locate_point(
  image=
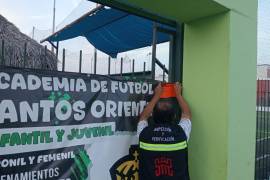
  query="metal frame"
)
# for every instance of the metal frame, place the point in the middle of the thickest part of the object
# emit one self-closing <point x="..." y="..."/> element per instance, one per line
<point x="175" y="56"/>
<point x="136" y="11"/>
<point x="176" y="42"/>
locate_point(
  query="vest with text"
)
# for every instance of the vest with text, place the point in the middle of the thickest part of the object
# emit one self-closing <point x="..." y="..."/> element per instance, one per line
<point x="163" y="153"/>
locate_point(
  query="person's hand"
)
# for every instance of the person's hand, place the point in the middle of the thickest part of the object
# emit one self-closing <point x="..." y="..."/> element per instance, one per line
<point x="178" y="88"/>
<point x="158" y="90"/>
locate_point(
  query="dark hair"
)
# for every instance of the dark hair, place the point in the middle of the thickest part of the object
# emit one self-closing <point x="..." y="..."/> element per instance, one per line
<point x="164" y="112"/>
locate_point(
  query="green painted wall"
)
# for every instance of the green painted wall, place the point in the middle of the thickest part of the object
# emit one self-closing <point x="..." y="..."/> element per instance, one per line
<point x="220" y="85"/>
<point x="242" y="95"/>
<point x="206" y="54"/>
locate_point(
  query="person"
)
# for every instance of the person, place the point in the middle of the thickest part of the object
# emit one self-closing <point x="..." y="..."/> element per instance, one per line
<point x="163" y="153"/>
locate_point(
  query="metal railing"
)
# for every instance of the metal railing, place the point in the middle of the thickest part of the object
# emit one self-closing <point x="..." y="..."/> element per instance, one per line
<point x="262" y="164"/>
<point x="62" y="60"/>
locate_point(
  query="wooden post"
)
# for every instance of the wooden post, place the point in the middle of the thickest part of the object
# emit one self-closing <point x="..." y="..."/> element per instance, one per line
<point x="64" y="60"/>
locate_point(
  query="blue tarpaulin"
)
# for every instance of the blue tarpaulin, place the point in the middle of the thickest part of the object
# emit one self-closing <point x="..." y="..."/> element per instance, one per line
<point x="112" y="31"/>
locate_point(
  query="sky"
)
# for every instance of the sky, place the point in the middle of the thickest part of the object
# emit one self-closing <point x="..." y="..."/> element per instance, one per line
<point x="28" y="13"/>
<point x="263" y="32"/>
<point x="39" y="13"/>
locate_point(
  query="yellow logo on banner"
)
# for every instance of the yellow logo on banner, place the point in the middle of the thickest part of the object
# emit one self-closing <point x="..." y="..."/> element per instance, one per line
<point x="126" y="168"/>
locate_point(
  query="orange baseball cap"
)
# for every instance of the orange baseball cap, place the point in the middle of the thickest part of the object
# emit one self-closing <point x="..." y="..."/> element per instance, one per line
<point x="168" y="90"/>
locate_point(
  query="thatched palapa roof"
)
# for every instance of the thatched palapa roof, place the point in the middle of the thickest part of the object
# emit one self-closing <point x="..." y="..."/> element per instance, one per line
<point x="14" y="45"/>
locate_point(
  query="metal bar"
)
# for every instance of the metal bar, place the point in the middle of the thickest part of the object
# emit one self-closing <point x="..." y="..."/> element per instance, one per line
<point x="257" y="130"/>
<point x="144" y="66"/>
<point x="53" y="45"/>
<point x="166" y="31"/>
<point x="163" y="73"/>
<point x="24" y="54"/>
<point x="57" y="49"/>
<point x="172" y="63"/>
<point x="260" y="128"/>
<point x="33" y="32"/>
<point x="264" y="117"/>
<point x="45" y="58"/>
<point x="53" y="24"/>
<point x="266" y="129"/>
<point x="63" y="60"/>
<point x="80" y="63"/>
<point x="162" y="66"/>
<point x="181" y="47"/>
<point x="176" y="55"/>
<point x="95" y="61"/>
<point x="121" y="66"/>
<point x="109" y="65"/>
<point x="154" y="48"/>
<point x="3" y="52"/>
<point x="133" y="67"/>
<point x="268" y="135"/>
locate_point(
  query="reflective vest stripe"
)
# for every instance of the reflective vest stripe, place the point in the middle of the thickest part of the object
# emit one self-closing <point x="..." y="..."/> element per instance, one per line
<point x="163" y="147"/>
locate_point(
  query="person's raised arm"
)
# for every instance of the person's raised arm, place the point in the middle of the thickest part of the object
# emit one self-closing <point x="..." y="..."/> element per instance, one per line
<point x="150" y="106"/>
<point x="186" y="113"/>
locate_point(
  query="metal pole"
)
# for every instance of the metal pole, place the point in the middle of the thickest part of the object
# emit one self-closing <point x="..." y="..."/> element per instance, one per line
<point x="109" y="65"/>
<point x="33" y="32"/>
<point x="57" y="49"/>
<point x="163" y="69"/>
<point x="3" y="53"/>
<point x="121" y="66"/>
<point x="95" y="61"/>
<point x="53" y="25"/>
<point x="64" y="60"/>
<point x="133" y="67"/>
<point x="24" y="54"/>
<point x="267" y="122"/>
<point x="154" y="48"/>
<point x="257" y="129"/>
<point x="144" y="65"/>
<point x="45" y="58"/>
<point x="80" y="65"/>
<point x="260" y="124"/>
<point x="172" y="63"/>
<point x="264" y="132"/>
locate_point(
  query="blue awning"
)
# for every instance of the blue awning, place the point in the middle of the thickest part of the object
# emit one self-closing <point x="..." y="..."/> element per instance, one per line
<point x="112" y="31"/>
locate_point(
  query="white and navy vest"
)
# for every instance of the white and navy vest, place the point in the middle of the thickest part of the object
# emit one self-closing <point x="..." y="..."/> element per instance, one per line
<point x="163" y="153"/>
